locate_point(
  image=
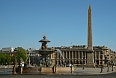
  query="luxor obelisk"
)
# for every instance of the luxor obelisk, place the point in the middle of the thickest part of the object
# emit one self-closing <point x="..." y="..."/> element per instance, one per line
<point x="90" y="47"/>
<point x="90" y="58"/>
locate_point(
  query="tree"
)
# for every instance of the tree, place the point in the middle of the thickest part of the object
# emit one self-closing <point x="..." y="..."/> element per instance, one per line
<point x="2" y="58"/>
<point x="8" y="58"/>
<point x="21" y="53"/>
<point x="12" y="59"/>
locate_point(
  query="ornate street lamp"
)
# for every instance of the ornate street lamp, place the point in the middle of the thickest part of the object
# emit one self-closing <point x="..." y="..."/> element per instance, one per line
<point x="101" y="64"/>
<point x="108" y="63"/>
<point x="112" y="65"/>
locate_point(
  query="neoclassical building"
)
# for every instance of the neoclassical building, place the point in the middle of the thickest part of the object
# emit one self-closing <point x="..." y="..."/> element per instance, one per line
<point x="77" y="55"/>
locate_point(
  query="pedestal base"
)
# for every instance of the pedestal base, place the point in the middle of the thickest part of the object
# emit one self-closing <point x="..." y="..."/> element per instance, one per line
<point x="28" y="70"/>
<point x="90" y="59"/>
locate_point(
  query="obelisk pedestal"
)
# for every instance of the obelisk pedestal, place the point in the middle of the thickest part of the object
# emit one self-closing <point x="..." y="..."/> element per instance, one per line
<point x="90" y="58"/>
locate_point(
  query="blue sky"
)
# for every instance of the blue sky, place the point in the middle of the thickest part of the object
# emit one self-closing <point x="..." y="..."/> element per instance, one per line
<point x="25" y="22"/>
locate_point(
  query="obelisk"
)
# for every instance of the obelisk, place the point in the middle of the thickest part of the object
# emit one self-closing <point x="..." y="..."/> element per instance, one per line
<point x="90" y="58"/>
<point x="89" y="29"/>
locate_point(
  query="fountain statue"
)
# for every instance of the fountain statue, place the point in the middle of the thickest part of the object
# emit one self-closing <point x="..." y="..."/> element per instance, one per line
<point x="45" y="60"/>
<point x="47" y="64"/>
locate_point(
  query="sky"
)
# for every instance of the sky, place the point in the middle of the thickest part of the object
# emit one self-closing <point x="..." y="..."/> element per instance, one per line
<point x="64" y="22"/>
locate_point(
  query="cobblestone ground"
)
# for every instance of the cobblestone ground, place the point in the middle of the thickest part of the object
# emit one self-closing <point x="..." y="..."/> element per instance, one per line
<point x="58" y="76"/>
<point x="94" y="70"/>
<point x="80" y="73"/>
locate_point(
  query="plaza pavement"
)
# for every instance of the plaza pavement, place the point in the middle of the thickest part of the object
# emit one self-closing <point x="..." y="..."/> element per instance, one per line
<point x="87" y="71"/>
<point x="78" y="71"/>
<point x="93" y="71"/>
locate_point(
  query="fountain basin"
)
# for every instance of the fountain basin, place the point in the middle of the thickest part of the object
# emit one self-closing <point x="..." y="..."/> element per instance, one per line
<point x="28" y="70"/>
<point x="58" y="69"/>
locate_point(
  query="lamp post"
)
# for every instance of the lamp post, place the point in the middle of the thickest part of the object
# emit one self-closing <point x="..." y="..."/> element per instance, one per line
<point x="108" y="66"/>
<point x="14" y="67"/>
<point x="112" y="65"/>
<point x="101" y="64"/>
<point x="101" y="67"/>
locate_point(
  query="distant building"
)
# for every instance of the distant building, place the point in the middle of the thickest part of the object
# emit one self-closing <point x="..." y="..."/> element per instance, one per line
<point x="7" y="49"/>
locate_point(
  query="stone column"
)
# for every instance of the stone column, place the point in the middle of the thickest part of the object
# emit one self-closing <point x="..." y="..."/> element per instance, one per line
<point x="60" y="56"/>
<point x="66" y="54"/>
<point x="69" y="54"/>
<point x="95" y="57"/>
<point x="82" y="57"/>
<point x="85" y="57"/>
<point x="99" y="57"/>
<point x="103" y="59"/>
<point x="82" y="54"/>
<point x="79" y="57"/>
<point x="69" y="57"/>
<point x="63" y="54"/>
<point x="75" y="57"/>
<point x="72" y="57"/>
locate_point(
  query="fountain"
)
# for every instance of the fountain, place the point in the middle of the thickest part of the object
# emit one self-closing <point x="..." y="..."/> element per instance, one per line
<point x="46" y="63"/>
<point x="44" y="52"/>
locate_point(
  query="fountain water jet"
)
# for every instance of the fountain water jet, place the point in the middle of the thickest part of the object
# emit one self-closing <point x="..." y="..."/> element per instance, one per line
<point x="59" y="51"/>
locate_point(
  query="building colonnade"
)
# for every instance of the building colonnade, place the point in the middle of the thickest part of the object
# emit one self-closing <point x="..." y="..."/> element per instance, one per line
<point x="79" y="57"/>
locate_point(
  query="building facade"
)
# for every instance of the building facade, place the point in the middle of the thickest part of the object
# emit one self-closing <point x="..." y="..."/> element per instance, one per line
<point x="77" y="55"/>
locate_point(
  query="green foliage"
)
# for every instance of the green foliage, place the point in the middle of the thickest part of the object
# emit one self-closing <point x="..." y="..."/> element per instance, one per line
<point x="2" y="58"/>
<point x="8" y="58"/>
<point x="12" y="58"/>
<point x="21" y="53"/>
<point x="5" y="58"/>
